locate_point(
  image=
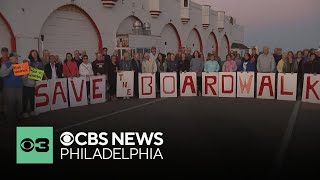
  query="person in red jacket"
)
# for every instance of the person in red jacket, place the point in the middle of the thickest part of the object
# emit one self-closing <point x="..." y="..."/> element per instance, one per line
<point x="70" y="67"/>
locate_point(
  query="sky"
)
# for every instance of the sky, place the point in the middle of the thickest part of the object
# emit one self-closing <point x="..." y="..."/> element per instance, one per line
<point x="287" y="24"/>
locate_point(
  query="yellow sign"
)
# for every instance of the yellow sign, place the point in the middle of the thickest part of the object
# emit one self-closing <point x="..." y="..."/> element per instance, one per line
<point x="21" y="69"/>
<point x="36" y="74"/>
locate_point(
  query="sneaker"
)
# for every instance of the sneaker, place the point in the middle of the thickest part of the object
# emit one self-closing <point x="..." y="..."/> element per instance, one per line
<point x="128" y="98"/>
<point x="124" y="97"/>
<point x="25" y="115"/>
<point x="34" y="113"/>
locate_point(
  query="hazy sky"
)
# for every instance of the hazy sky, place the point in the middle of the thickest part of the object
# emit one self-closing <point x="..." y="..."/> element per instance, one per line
<point x="289" y="24"/>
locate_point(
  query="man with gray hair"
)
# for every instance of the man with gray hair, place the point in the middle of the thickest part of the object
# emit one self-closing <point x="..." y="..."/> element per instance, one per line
<point x="266" y="62"/>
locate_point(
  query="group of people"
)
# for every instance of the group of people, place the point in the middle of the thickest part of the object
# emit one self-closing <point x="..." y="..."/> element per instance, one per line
<point x="17" y="92"/>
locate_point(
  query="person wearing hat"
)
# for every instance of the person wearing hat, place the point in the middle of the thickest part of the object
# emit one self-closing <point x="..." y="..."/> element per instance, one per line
<point x="12" y="88"/>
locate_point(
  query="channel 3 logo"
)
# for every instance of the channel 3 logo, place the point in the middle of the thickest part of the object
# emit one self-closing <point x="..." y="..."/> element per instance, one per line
<point x="34" y="145"/>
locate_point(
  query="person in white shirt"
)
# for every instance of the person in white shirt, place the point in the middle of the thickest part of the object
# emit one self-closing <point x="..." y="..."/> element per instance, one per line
<point x="148" y="65"/>
<point x="85" y="69"/>
<point x="153" y="55"/>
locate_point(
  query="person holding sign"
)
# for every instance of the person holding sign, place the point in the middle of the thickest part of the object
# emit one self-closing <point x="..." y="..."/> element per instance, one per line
<point x="247" y="65"/>
<point x="28" y="94"/>
<point x="291" y="64"/>
<point x="112" y="77"/>
<point x="53" y="70"/>
<point x="12" y="88"/>
<point x="85" y="69"/>
<point x="70" y="67"/>
<point x="230" y="65"/>
<point x="212" y="65"/>
<point x="196" y="65"/>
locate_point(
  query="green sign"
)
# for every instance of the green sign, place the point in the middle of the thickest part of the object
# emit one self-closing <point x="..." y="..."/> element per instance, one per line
<point x="36" y="74"/>
<point x="34" y="145"/>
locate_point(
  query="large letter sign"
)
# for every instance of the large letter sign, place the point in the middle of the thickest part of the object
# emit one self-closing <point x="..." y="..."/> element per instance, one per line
<point x="227" y="84"/>
<point x="188" y="84"/>
<point x="311" y="88"/>
<point x="42" y="96"/>
<point x="245" y="84"/>
<point x="266" y="86"/>
<point x="59" y="93"/>
<point x="97" y="89"/>
<point x="125" y="84"/>
<point x="286" y="89"/>
<point x="147" y="85"/>
<point x="77" y="91"/>
<point x="168" y="84"/>
<point x="210" y="84"/>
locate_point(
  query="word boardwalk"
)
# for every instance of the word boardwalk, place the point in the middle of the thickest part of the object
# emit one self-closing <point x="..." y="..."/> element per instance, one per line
<point x="53" y="94"/>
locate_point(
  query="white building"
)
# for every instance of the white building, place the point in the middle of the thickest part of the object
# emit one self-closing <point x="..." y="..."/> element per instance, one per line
<point x="67" y="25"/>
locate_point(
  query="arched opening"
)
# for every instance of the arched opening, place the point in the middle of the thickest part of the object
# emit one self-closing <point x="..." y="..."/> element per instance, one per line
<point x="126" y="26"/>
<point x="194" y="40"/>
<point x="212" y="43"/>
<point x="225" y="46"/>
<point x="7" y="38"/>
<point x="169" y="39"/>
<point x="70" y="28"/>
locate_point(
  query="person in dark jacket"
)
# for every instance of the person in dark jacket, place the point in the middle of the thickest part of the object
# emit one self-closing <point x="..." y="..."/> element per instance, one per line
<point x="105" y="54"/>
<point x="312" y="66"/>
<point x="172" y="64"/>
<point x="136" y="67"/>
<point x="247" y="64"/>
<point x="53" y="70"/>
<point x="99" y="66"/>
<point x="112" y="77"/>
<point x="77" y="58"/>
<point x="184" y="63"/>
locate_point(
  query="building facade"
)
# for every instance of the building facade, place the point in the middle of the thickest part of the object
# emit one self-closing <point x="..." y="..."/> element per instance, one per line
<point x="63" y="26"/>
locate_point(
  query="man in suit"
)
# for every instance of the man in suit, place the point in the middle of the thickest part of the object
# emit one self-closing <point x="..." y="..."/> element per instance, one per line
<point x="53" y="70"/>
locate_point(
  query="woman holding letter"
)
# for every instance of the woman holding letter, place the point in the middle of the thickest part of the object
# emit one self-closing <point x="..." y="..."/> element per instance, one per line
<point x="70" y="67"/>
<point x="291" y="64"/>
<point x="247" y="65"/>
<point x="230" y="65"/>
<point x="85" y="69"/>
<point x="196" y="65"/>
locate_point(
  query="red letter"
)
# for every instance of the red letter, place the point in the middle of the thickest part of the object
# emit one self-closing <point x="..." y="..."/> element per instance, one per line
<point x="210" y="85"/>
<point x="311" y="87"/>
<point x="142" y="84"/>
<point x="188" y="81"/>
<point x="263" y="84"/>
<point x="282" y="91"/>
<point x="78" y="98"/>
<point x="129" y="92"/>
<point x="120" y="76"/>
<point x="173" y="85"/>
<point x="227" y="91"/>
<point x="94" y="88"/>
<point x="55" y="93"/>
<point x="37" y="94"/>
<point x="244" y="85"/>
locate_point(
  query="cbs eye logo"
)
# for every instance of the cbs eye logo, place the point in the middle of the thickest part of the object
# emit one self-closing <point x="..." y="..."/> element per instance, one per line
<point x="40" y="145"/>
<point x="66" y="138"/>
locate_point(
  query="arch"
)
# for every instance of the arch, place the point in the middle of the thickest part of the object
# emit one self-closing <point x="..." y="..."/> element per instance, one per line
<point x="228" y="42"/>
<point x="194" y="30"/>
<point x="126" y="25"/>
<point x="12" y="36"/>
<point x="216" y="42"/>
<point x="211" y="42"/>
<point x="77" y="11"/>
<point x="169" y="40"/>
<point x="177" y="34"/>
